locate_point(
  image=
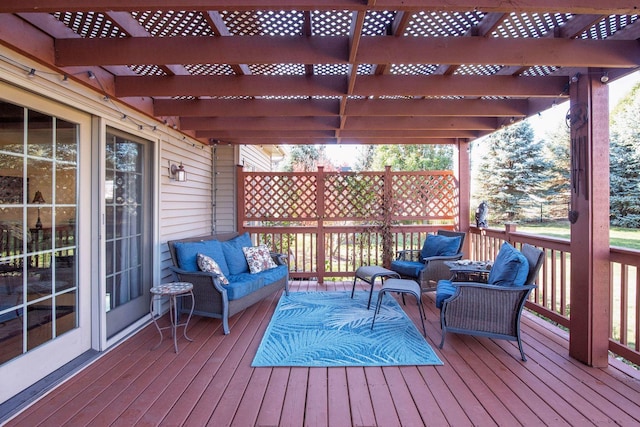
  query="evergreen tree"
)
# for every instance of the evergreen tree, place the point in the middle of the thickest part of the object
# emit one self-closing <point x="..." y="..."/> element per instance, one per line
<point x="512" y="171"/>
<point x="625" y="162"/>
<point x="558" y="185"/>
<point x="413" y="157"/>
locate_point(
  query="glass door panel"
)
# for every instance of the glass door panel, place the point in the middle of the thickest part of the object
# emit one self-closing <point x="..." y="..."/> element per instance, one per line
<point x="127" y="233"/>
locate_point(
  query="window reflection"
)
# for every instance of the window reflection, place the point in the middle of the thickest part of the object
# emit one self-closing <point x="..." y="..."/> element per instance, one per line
<point x="38" y="268"/>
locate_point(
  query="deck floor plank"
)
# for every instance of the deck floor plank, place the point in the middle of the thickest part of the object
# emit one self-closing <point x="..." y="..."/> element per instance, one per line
<point x="317" y="396"/>
<point x="362" y="413"/>
<point x="338" y="400"/>
<point x="295" y="399"/>
<point x="211" y="381"/>
<point x="382" y="398"/>
<point x="271" y="408"/>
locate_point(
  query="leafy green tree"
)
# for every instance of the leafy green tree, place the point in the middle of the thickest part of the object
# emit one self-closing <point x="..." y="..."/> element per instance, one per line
<point x="513" y="172"/>
<point x="413" y="157"/>
<point x="364" y="162"/>
<point x="304" y="158"/>
<point x="625" y="162"/>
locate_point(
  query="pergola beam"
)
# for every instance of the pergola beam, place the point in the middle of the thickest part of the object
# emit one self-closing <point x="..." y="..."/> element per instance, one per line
<point x="332" y="123"/>
<point x="559" y="52"/>
<point x="335" y="86"/>
<point x="353" y="107"/>
<point x="612" y="7"/>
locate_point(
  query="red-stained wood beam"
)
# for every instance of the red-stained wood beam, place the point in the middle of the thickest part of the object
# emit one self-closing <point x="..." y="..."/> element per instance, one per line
<point x="266" y="134"/>
<point x="246" y="107"/>
<point x="437" y="107"/>
<point x="590" y="290"/>
<point x="259" y="123"/>
<point x="335" y="50"/>
<point x="354" y="107"/>
<point x="331" y="141"/>
<point x="332" y="123"/>
<point x="275" y="141"/>
<point x="417" y="123"/>
<point x="504" y="51"/>
<point x="199" y="50"/>
<point x="457" y="85"/>
<point x="127" y="23"/>
<point x="423" y="135"/>
<point x="612" y="7"/>
<point x="255" y="85"/>
<point x="128" y="86"/>
<point x="408" y="134"/>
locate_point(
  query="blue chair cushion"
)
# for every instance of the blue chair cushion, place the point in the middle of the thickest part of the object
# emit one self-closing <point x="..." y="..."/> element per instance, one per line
<point x="436" y="245"/>
<point x="187" y="252"/>
<point x="444" y="290"/>
<point x="243" y="284"/>
<point x="234" y="255"/>
<point x="510" y="267"/>
<point x="407" y="268"/>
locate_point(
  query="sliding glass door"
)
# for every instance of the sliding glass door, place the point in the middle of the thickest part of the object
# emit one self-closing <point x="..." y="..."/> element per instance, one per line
<point x="128" y="231"/>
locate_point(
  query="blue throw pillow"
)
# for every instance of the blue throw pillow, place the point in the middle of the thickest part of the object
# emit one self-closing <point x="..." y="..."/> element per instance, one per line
<point x="187" y="252"/>
<point x="436" y="245"/>
<point x="234" y="255"/>
<point x="510" y="267"/>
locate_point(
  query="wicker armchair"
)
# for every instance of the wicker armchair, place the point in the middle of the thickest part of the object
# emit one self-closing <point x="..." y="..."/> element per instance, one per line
<point x="426" y="271"/>
<point x="489" y="310"/>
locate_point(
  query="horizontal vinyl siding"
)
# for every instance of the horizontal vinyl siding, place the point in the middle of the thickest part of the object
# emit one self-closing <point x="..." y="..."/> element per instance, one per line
<point x="225" y="183"/>
<point x="254" y="158"/>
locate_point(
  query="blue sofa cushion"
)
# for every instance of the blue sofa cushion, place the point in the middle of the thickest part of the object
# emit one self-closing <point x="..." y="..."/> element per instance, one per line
<point x="407" y="268"/>
<point x="436" y="245"/>
<point x="510" y="267"/>
<point x="234" y="255"/>
<point x="444" y="290"/>
<point x="243" y="284"/>
<point x="187" y="253"/>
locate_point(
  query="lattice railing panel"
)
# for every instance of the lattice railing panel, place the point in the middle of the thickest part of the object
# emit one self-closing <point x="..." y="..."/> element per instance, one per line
<point x="424" y="196"/>
<point x="284" y="197"/>
<point x="353" y="196"/>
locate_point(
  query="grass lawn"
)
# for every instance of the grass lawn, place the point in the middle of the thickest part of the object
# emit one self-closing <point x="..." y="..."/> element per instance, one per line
<point x="622" y="237"/>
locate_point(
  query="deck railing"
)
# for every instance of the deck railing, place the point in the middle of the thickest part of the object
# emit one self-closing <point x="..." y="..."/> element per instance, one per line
<point x="552" y="297"/>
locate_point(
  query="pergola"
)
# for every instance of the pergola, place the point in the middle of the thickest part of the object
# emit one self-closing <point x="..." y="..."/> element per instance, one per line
<point x="362" y="72"/>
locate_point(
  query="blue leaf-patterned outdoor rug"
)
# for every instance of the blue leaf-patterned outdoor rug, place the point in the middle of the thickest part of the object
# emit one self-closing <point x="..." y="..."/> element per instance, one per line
<point x="331" y="329"/>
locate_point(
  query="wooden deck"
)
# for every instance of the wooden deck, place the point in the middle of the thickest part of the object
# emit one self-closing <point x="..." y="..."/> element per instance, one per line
<point x="210" y="382"/>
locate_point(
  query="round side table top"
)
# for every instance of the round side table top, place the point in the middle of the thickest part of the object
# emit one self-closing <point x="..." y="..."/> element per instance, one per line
<point x="173" y="288"/>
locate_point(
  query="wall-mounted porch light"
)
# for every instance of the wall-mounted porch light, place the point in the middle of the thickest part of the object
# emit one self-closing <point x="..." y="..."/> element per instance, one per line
<point x="178" y="173"/>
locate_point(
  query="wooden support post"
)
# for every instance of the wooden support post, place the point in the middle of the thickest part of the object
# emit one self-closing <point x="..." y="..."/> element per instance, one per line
<point x="240" y="199"/>
<point x="589" y="215"/>
<point x="462" y="170"/>
<point x="321" y="256"/>
<point x="387" y="206"/>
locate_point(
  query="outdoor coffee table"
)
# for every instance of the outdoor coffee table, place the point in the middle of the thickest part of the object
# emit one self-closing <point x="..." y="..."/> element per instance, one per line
<point x="467" y="270"/>
<point x="369" y="273"/>
<point x="173" y="291"/>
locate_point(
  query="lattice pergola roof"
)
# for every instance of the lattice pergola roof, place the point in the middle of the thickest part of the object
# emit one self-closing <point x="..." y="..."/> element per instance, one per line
<point x="334" y="71"/>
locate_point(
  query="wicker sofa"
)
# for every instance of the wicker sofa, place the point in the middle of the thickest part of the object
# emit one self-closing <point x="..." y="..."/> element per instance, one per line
<point x="212" y="297"/>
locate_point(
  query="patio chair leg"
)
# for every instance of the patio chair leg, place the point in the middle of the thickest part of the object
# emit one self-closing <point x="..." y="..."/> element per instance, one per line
<point x="422" y="315"/>
<point x="524" y="359"/>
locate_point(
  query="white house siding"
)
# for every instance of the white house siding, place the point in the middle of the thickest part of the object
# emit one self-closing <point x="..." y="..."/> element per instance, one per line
<point x="253" y="158"/>
<point x="181" y="209"/>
